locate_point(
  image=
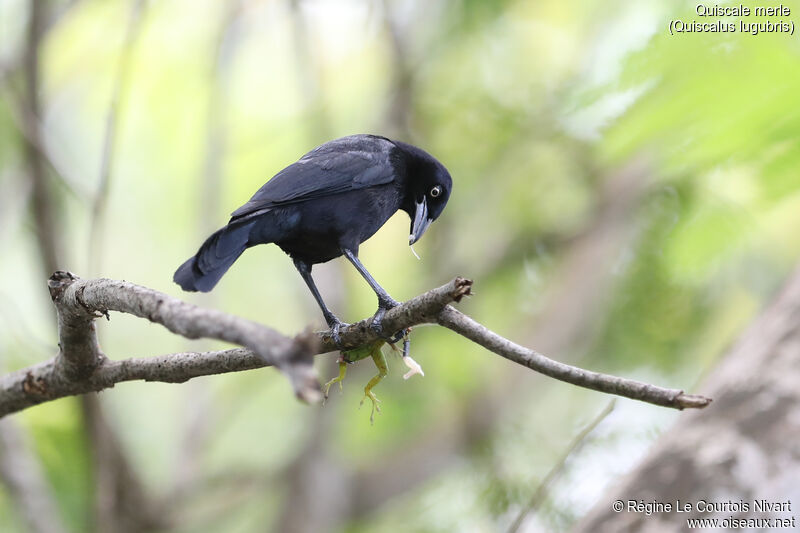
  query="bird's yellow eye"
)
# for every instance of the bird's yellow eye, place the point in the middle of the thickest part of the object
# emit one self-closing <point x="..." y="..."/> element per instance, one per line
<point x="436" y="191"/>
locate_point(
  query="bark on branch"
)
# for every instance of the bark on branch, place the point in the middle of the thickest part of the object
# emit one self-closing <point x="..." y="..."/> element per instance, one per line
<point x="81" y="367"/>
<point x="628" y="388"/>
<point x="79" y="302"/>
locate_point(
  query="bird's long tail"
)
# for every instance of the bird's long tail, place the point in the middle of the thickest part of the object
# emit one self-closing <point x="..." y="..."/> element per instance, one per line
<point x="203" y="271"/>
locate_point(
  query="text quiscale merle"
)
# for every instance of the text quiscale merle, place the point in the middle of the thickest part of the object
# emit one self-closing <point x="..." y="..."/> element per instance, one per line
<point x="742" y="11"/>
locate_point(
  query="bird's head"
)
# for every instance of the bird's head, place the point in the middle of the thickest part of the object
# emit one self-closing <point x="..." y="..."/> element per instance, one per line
<point x="428" y="188"/>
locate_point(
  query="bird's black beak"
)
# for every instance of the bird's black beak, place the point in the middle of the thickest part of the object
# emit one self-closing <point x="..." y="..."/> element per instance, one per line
<point x="420" y="223"/>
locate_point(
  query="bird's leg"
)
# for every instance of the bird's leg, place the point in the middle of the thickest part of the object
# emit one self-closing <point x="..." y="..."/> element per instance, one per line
<point x="380" y="362"/>
<point x="402" y="334"/>
<point x="385" y="302"/>
<point x="333" y="321"/>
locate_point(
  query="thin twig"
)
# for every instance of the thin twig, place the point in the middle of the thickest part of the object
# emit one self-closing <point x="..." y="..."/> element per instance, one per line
<point x="628" y="388"/>
<point x="557" y="468"/>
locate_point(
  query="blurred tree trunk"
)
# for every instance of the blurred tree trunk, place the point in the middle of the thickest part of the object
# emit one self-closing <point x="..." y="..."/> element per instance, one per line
<point x="742" y="447"/>
<point x="20" y="469"/>
<point x="44" y="207"/>
<point x="25" y="480"/>
<point x="120" y="503"/>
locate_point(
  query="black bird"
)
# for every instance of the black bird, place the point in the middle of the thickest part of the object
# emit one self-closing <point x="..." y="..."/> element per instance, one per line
<point x="325" y="205"/>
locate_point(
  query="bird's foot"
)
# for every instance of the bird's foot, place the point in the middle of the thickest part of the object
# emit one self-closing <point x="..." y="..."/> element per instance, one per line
<point x="384" y="305"/>
<point x="402" y="334"/>
<point x="335" y="325"/>
<point x="375" y="403"/>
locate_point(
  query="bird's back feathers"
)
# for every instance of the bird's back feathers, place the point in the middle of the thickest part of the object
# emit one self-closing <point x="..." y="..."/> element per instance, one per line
<point x="346" y="164"/>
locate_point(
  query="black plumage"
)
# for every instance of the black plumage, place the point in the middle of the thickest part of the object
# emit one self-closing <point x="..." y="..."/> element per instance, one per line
<point x="325" y="205"/>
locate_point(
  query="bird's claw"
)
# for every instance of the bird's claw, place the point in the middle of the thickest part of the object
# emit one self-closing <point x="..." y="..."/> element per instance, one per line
<point x="335" y="326"/>
<point x="402" y="334"/>
<point x="377" y="320"/>
<point x="337" y="340"/>
<point x="405" y="335"/>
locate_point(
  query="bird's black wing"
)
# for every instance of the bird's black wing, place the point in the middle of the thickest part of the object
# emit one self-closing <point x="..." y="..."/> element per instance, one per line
<point x="342" y="165"/>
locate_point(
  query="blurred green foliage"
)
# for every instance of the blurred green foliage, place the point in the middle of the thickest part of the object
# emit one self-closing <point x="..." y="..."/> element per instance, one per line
<point x="533" y="106"/>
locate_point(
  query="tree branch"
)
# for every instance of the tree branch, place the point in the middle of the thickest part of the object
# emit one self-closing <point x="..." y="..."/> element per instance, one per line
<point x="81" y="367"/>
<point x="628" y="388"/>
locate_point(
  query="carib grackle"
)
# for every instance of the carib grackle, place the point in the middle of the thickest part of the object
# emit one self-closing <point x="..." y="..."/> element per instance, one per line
<point x="325" y="205"/>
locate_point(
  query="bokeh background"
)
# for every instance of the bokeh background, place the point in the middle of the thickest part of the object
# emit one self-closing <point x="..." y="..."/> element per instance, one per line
<point x="624" y="199"/>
